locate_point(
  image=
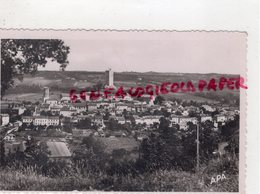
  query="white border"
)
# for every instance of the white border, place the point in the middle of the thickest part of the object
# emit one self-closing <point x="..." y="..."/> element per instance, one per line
<point x="238" y="15"/>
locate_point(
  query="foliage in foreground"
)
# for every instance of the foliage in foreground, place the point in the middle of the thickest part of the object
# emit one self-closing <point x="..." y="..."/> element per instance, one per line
<point x="161" y="180"/>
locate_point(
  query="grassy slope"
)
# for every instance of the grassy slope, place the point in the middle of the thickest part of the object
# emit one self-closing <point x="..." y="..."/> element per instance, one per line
<point x="157" y="181"/>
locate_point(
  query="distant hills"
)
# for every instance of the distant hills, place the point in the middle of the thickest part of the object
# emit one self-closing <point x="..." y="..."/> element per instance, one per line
<point x="63" y="81"/>
<point x="83" y="79"/>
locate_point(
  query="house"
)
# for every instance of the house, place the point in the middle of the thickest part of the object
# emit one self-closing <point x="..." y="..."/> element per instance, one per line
<point x="65" y="98"/>
<point x="67" y="112"/>
<point x="183" y="120"/>
<point x="151" y="119"/>
<point x="27" y="119"/>
<point x="44" y="107"/>
<point x="205" y="118"/>
<point x="128" y="121"/>
<point x="91" y="106"/>
<point x="37" y="111"/>
<point x="18" y="110"/>
<point x="175" y="119"/>
<point x="139" y="108"/>
<point x="185" y="113"/>
<point x="55" y="109"/>
<point x="46" y="120"/>
<point x="220" y="118"/>
<point x="41" y="120"/>
<point x="120" y="120"/>
<point x="51" y="101"/>
<point x="4" y="119"/>
<point x="80" y="107"/>
<point x="58" y="151"/>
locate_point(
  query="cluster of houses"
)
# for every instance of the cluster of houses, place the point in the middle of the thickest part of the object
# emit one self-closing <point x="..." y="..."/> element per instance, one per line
<point x="52" y="111"/>
<point x="134" y="112"/>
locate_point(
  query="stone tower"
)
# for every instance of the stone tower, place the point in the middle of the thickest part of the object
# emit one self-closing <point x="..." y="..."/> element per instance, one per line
<point x="109" y="77"/>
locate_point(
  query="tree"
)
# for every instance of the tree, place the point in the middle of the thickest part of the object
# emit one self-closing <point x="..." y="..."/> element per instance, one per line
<point x="23" y="56"/>
<point x="178" y="112"/>
<point x="163" y="150"/>
<point x="230" y="133"/>
<point x="27" y="112"/>
<point x="84" y="124"/>
<point x="209" y="140"/>
<point x="113" y="125"/>
<point x="107" y="115"/>
<point x="2" y="152"/>
<point x="92" y="143"/>
<point x="159" y="100"/>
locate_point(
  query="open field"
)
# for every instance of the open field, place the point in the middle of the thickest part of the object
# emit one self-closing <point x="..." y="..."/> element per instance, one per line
<point x="114" y="143"/>
<point x="33" y="97"/>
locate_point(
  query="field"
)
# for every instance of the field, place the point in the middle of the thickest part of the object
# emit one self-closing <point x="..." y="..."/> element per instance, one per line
<point x="58" y="149"/>
<point x="31" y="88"/>
<point x="33" y="97"/>
<point x="113" y="143"/>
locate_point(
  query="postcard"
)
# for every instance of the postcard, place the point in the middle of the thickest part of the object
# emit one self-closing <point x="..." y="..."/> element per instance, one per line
<point x="139" y="111"/>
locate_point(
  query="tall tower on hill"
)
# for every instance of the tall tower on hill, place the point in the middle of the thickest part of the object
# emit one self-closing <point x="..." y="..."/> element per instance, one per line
<point x="109" y="77"/>
<point x="46" y="94"/>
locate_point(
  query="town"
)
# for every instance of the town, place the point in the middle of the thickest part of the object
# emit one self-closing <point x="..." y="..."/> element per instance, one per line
<point x="122" y="123"/>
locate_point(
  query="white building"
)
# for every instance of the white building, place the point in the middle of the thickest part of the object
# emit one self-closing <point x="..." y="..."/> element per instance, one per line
<point x="183" y="120"/>
<point x="151" y="119"/>
<point x="4" y="119"/>
<point x="147" y="119"/>
<point x="43" y="120"/>
<point x="67" y="112"/>
<point x="205" y="118"/>
<point x="80" y="107"/>
<point x="109" y="78"/>
<point x="220" y="118"/>
<point x="19" y="110"/>
<point x="27" y="119"/>
<point x="51" y="101"/>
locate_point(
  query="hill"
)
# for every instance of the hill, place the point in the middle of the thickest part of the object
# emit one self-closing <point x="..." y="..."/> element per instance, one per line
<point x="64" y="81"/>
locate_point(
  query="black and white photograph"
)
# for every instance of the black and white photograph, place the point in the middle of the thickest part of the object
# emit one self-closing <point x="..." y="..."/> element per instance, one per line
<point x="122" y="111"/>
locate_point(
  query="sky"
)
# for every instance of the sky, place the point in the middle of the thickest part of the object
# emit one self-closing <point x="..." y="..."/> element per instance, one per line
<point x="184" y="52"/>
